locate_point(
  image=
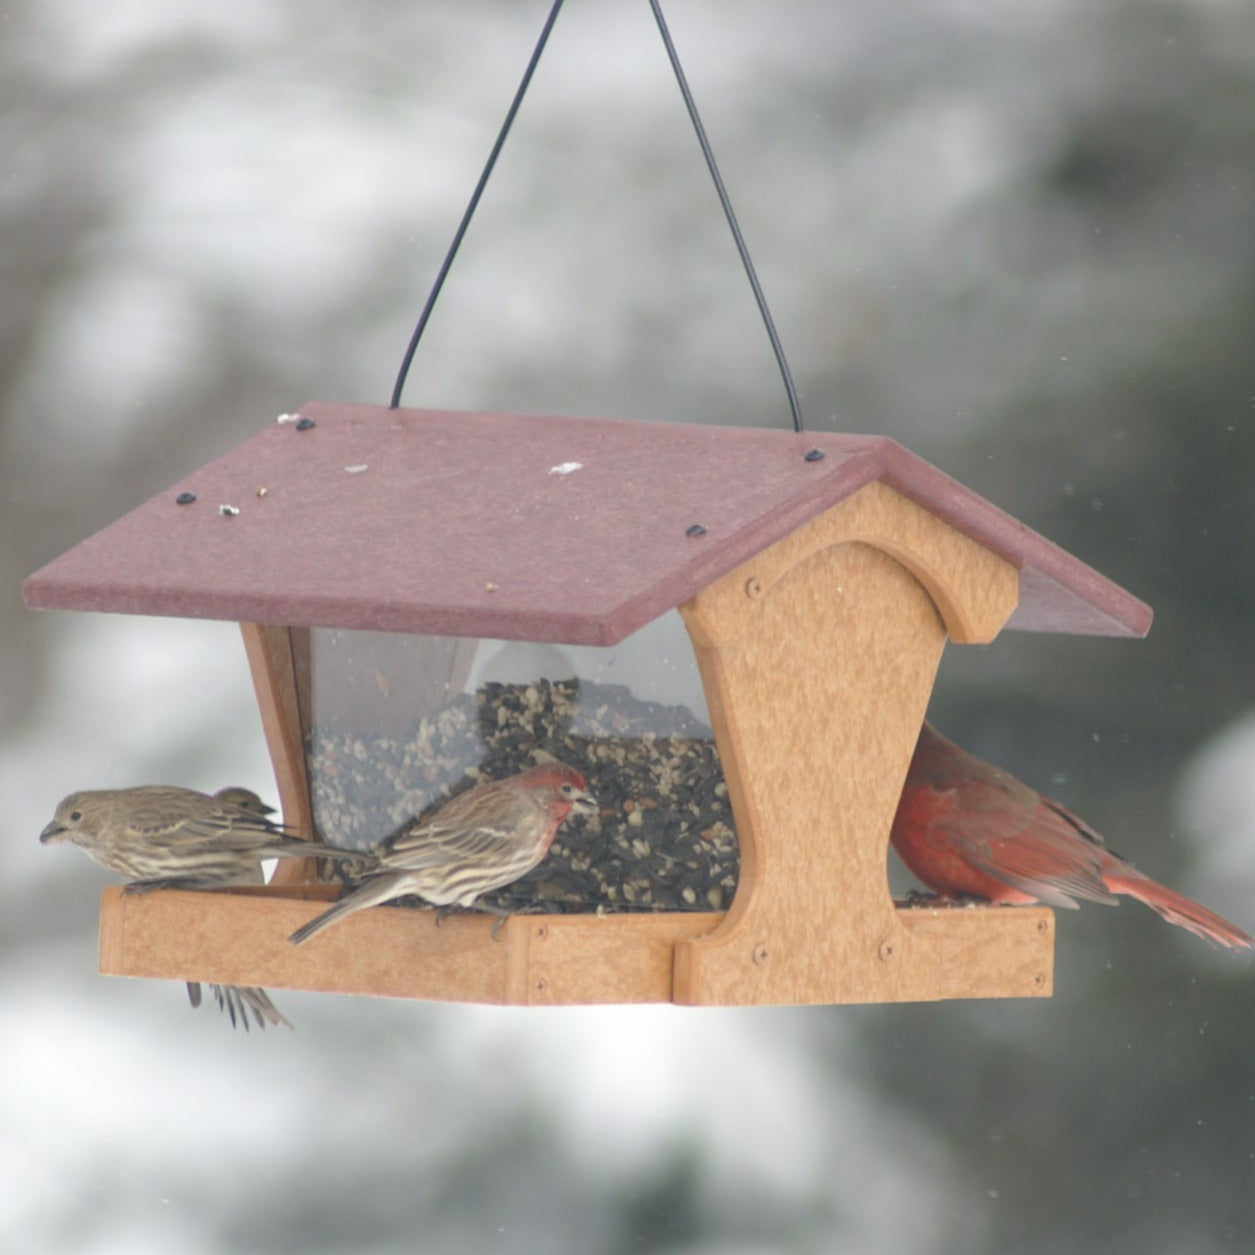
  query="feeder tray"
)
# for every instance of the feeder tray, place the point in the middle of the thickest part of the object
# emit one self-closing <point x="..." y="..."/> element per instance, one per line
<point x="818" y="576"/>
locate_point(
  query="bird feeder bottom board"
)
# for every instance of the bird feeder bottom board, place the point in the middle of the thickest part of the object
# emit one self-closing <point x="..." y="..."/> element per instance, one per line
<point x="240" y="938"/>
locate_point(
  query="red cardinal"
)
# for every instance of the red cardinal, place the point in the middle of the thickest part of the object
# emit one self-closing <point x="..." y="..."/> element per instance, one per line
<point x="965" y="827"/>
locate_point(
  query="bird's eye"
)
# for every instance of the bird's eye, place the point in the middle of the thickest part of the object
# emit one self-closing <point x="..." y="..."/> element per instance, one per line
<point x="76" y="815"/>
<point x="568" y="790"/>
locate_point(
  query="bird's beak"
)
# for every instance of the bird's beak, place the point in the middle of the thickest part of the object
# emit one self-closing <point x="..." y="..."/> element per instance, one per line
<point x="52" y="832"/>
<point x="583" y="804"/>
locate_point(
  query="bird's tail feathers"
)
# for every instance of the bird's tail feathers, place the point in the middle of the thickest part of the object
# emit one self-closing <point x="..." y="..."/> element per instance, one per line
<point x="1177" y="909"/>
<point x="376" y="890"/>
<point x="238" y="1000"/>
<point x="313" y="849"/>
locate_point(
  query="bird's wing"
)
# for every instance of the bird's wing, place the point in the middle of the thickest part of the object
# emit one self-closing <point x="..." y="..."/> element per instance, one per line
<point x="1045" y="851"/>
<point x="197" y="825"/>
<point x="172" y="812"/>
<point x="430" y="847"/>
<point x="485" y="832"/>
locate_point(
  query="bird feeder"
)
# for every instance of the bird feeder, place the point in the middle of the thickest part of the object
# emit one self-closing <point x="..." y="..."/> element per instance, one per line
<point x="368" y="552"/>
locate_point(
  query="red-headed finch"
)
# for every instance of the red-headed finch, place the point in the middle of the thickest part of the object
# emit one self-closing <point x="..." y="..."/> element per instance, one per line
<point x="479" y="841"/>
<point x="967" y="828"/>
<point x="162" y="836"/>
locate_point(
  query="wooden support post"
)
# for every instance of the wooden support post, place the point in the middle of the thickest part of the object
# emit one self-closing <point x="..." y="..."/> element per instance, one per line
<point x="818" y="658"/>
<point x="271" y="659"/>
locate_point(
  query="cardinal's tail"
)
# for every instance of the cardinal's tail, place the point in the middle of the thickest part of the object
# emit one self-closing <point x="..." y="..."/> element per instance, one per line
<point x="1177" y="909"/>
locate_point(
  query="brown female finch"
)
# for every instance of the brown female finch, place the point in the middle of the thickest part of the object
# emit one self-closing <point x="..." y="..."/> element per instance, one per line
<point x="481" y="840"/>
<point x="161" y="837"/>
<point x="967" y="828"/>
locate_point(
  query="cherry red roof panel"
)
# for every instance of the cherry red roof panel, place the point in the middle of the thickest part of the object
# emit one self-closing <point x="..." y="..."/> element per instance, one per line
<point x="564" y="530"/>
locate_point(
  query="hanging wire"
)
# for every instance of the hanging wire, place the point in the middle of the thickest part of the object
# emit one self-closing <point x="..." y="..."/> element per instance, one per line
<point x="690" y="104"/>
<point x="447" y="264"/>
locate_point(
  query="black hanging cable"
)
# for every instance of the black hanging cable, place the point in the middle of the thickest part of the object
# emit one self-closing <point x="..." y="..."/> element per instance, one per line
<point x="776" y="347"/>
<point x="446" y="265"/>
<point x="691" y="105"/>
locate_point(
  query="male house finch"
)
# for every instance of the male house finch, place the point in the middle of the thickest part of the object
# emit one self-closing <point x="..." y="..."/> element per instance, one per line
<point x="480" y="840"/>
<point x="162" y="836"/>
<point x="965" y="827"/>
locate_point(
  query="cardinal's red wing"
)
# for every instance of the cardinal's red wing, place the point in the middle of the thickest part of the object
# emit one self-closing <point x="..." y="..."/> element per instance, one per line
<point x="1045" y="852"/>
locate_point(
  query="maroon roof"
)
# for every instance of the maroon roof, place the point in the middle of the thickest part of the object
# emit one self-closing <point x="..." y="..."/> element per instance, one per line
<point x="565" y="530"/>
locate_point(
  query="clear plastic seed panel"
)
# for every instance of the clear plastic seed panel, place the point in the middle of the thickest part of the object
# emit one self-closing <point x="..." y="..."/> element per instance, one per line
<point x="400" y="724"/>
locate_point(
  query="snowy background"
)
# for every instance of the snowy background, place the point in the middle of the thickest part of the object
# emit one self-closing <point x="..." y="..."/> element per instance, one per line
<point x="1019" y="239"/>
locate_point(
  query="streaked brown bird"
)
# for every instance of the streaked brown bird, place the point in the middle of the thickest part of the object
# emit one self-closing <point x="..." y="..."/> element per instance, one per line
<point x="163" y="836"/>
<point x="479" y="841"/>
<point x="236" y="1001"/>
<point x="967" y="828"/>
